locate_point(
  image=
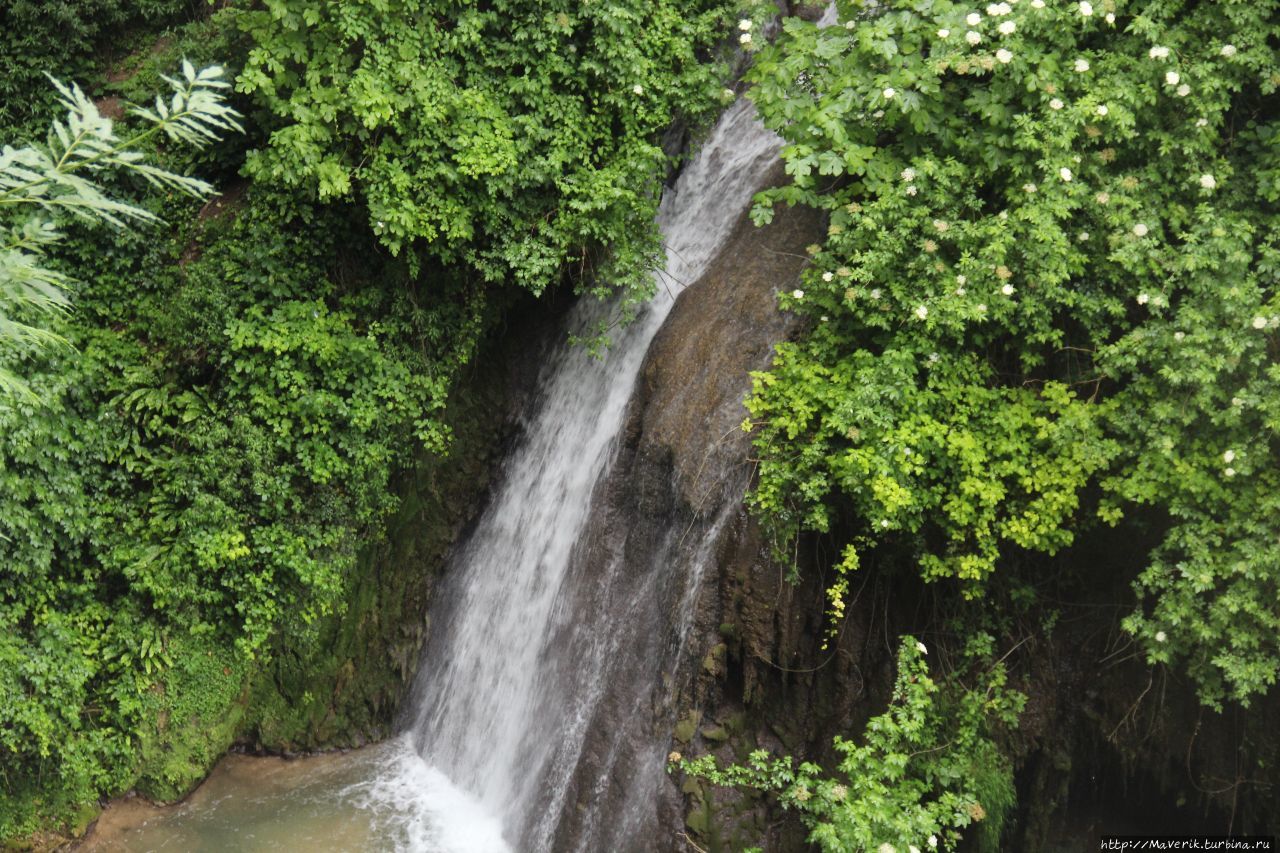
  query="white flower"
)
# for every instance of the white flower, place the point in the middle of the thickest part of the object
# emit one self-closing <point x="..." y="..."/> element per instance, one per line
<point x="1102" y="109"/>
<point x="1228" y="50"/>
<point x="1178" y="336"/>
<point x="1183" y="90"/>
<point x="959" y="291"/>
<point x="745" y="24"/>
<point x="1037" y="4"/>
<point x="1065" y="173"/>
<point x="972" y="37"/>
<point x="1056" y="104"/>
<point x="827" y="276"/>
<point x="878" y="114"/>
<point x="1083" y="236"/>
<point x="1158" y="52"/>
<point x="1143" y="299"/>
<point x="1140" y="229"/>
<point x="1202" y="122"/>
<point x="1161" y="636"/>
<point x="797" y="294"/>
<point x="638" y="89"/>
<point x="920" y="648"/>
<point x="1111" y="17"/>
<point x="913" y="849"/>
<point x="1259" y="322"/>
<point x="922" y="312"/>
<point x="381" y="224"/>
<point x="933" y="359"/>
<point x="1007" y="28"/>
<point x="1229" y="457"/>
<point x="1004" y="56"/>
<point x="1171" y="78"/>
<point x="982" y="308"/>
<point x="973" y="19"/>
<point x="960" y="279"/>
<point x="886" y="847"/>
<point x="908" y="174"/>
<point x="745" y="38"/>
<point x="1208" y="181"/>
<point x="1028" y="188"/>
<point x="1007" y="290"/>
<point x="884" y="522"/>
<point x="1086" y="8"/>
<point x="848" y="25"/>
<point x="944" y="33"/>
<point x="911" y="190"/>
<point x="1237" y="402"/>
<point x="1081" y="65"/>
<point x="728" y="94"/>
<point x="875" y="293"/>
<point x="889" y="93"/>
<point x="1229" y="472"/>
<point x="933" y="839"/>
<point x="997" y="9"/>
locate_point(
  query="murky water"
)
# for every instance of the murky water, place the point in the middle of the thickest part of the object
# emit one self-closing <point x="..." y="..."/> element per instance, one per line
<point x="383" y="797"/>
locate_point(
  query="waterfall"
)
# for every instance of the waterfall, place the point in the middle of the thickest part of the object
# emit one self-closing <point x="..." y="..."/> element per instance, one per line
<point x="512" y="669"/>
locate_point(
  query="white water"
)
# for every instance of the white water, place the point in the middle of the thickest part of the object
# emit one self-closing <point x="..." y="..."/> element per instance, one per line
<point x="488" y="712"/>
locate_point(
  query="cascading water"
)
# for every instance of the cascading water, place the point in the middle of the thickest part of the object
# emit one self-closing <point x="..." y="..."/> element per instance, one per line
<point x="511" y="671"/>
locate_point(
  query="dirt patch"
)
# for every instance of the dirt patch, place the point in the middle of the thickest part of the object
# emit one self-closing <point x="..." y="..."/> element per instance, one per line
<point x="112" y="107"/>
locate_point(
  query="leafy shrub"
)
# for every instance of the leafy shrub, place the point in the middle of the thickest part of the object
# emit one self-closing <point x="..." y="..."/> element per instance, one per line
<point x="509" y="138"/>
<point x="60" y="37"/>
<point x="1047" y="298"/>
<point x="918" y="774"/>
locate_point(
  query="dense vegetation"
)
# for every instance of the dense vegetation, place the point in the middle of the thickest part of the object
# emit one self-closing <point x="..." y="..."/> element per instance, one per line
<point x="191" y="461"/>
<point x="1047" y="303"/>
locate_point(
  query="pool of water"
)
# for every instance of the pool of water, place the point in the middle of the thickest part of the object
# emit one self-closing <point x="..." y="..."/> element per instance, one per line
<point x="383" y="797"/>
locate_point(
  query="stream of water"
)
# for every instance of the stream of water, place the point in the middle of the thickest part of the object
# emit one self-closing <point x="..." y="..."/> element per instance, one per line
<point x="512" y="671"/>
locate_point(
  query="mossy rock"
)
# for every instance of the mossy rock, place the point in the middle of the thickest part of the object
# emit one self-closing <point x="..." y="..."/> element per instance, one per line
<point x="687" y="726"/>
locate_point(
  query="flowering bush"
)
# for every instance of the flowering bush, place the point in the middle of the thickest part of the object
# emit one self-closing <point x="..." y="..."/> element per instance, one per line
<point x="1048" y="296"/>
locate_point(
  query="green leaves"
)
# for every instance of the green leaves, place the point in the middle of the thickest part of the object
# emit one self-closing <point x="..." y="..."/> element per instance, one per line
<point x="1048" y="297"/>
<point x="39" y="183"/>
<point x="508" y="138"/>
<point x="920" y="772"/>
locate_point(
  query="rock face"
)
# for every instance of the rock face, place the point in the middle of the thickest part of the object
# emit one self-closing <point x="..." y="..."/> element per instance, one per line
<point x="671" y="510"/>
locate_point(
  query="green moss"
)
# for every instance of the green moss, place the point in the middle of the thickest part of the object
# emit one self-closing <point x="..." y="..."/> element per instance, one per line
<point x="715" y="733"/>
<point x="194" y="713"/>
<point x="687" y="725"/>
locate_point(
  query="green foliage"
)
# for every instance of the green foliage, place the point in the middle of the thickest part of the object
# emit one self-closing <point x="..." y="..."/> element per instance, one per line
<point x="60" y="37"/>
<point x="510" y="138"/>
<point x="918" y="774"/>
<point x="214" y="447"/>
<point x="41" y="182"/>
<point x="1047" y="298"/>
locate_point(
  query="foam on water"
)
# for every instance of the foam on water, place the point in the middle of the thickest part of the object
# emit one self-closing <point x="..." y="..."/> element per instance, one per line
<point x="415" y="807"/>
